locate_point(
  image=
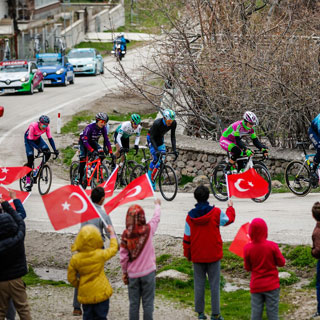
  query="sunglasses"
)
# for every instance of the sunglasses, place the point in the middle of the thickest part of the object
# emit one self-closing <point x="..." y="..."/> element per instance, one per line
<point x="103" y="121"/>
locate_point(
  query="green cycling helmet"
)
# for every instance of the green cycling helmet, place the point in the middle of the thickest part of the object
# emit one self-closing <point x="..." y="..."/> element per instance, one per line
<point x="135" y="118"/>
<point x="169" y="114"/>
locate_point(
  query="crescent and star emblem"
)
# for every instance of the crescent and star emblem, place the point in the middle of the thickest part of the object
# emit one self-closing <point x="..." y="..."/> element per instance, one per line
<point x="136" y="192"/>
<point x="4" y="170"/>
<point x="66" y="205"/>
<point x="237" y="185"/>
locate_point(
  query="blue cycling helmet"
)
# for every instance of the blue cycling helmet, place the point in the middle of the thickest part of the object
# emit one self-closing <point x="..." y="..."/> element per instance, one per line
<point x="44" y="119"/>
<point x="169" y="114"/>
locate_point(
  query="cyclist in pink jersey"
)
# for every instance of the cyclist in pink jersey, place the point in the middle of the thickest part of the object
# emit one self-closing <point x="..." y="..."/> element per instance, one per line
<point x="231" y="139"/>
<point x="33" y="140"/>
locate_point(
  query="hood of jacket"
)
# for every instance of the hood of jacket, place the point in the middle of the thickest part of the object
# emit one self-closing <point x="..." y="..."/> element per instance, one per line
<point x="8" y="227"/>
<point x="258" y="230"/>
<point x="200" y="213"/>
<point x="88" y="239"/>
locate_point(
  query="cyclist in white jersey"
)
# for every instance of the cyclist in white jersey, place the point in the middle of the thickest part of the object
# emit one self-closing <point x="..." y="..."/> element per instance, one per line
<point x="124" y="132"/>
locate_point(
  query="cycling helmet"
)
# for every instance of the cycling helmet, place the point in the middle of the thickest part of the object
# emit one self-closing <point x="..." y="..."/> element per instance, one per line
<point x="250" y="117"/>
<point x="102" y="116"/>
<point x="169" y="114"/>
<point x="44" y="119"/>
<point x="135" y="118"/>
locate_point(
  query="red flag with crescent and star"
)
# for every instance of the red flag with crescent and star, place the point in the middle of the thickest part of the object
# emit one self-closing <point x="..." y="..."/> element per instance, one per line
<point x="240" y="240"/>
<point x="248" y="184"/>
<point x="138" y="189"/>
<point x="67" y="206"/>
<point x="22" y="195"/>
<point x="108" y="185"/>
<point x="11" y="174"/>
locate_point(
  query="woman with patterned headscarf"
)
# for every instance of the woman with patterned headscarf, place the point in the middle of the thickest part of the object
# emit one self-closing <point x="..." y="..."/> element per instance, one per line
<point x="138" y="260"/>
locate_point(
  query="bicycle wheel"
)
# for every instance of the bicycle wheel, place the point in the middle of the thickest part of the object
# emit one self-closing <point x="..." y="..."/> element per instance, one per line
<point x="74" y="172"/>
<point x="103" y="176"/>
<point x="128" y="170"/>
<point x="297" y="177"/>
<point x="137" y="171"/>
<point x="168" y="182"/>
<point x="264" y="173"/>
<point x="218" y="182"/>
<point x="44" y="179"/>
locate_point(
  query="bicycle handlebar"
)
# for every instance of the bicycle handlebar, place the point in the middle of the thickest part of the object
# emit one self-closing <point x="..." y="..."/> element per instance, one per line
<point x="41" y="154"/>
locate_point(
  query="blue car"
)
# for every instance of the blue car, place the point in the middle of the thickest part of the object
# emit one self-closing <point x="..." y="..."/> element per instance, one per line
<point x="56" y="68"/>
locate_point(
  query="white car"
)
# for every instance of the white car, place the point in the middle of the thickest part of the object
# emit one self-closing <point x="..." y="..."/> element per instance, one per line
<point x="86" y="61"/>
<point x="20" y="76"/>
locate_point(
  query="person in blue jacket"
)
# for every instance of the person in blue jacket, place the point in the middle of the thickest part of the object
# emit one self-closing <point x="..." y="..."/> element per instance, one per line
<point x="314" y="135"/>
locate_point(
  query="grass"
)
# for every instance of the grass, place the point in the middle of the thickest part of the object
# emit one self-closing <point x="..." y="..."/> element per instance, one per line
<point x="32" y="279"/>
<point x="67" y="155"/>
<point x="234" y="305"/>
<point x="185" y="179"/>
<point x="87" y="116"/>
<point x="104" y="48"/>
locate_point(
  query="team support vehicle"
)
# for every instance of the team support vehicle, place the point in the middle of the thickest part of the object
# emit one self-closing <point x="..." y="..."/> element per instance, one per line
<point x="20" y="76"/>
<point x="56" y="68"/>
<point x="86" y="61"/>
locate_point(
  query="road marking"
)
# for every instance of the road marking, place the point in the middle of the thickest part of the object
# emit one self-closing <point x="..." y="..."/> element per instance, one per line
<point x="45" y="112"/>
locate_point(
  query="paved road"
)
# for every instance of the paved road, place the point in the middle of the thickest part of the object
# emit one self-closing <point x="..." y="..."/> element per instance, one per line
<point x="288" y="216"/>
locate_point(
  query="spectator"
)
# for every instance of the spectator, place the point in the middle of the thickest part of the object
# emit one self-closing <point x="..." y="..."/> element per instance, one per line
<point x="138" y="260"/>
<point x="94" y="289"/>
<point x="13" y="261"/>
<point x="11" y="313"/>
<point x="262" y="257"/>
<point x="202" y="244"/>
<point x="97" y="197"/>
<point x="316" y="251"/>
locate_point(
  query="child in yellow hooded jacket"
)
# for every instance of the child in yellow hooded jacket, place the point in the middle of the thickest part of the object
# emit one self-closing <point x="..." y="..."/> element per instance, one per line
<point x="94" y="289"/>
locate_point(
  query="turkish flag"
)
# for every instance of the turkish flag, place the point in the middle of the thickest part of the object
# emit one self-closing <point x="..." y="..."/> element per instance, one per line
<point x="11" y="174"/>
<point x="138" y="189"/>
<point x="22" y="195"/>
<point x="248" y="184"/>
<point x="108" y="185"/>
<point x="67" y="206"/>
<point x="240" y="240"/>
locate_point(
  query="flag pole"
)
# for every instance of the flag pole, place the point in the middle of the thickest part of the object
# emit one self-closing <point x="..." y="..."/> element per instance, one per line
<point x="228" y="194"/>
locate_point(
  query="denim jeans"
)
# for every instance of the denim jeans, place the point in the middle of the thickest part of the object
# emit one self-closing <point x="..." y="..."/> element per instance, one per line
<point x="318" y="285"/>
<point x="270" y="299"/>
<point x="97" y="311"/>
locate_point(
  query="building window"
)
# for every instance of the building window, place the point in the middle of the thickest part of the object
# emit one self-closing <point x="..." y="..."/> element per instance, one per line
<point x="43" y="3"/>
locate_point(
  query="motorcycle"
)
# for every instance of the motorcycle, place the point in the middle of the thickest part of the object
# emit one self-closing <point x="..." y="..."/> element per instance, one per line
<point x="118" y="50"/>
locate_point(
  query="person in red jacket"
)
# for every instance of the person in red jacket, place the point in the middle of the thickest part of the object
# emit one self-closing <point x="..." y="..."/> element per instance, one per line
<point x="202" y="244"/>
<point x="262" y="257"/>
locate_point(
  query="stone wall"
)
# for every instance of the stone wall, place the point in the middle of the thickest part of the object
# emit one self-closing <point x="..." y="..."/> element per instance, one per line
<point x="199" y="157"/>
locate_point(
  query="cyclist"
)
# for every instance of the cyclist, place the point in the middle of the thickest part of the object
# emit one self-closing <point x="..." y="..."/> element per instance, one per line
<point x="33" y="140"/>
<point x="314" y="135"/>
<point x="231" y="139"/>
<point x="155" y="138"/>
<point x="89" y="138"/>
<point x="124" y="132"/>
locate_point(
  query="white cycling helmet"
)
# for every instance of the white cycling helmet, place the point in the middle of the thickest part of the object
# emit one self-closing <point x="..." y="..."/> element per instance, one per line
<point x="250" y="117"/>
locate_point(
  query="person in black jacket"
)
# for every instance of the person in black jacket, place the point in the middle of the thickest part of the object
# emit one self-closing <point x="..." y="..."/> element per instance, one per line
<point x="13" y="262"/>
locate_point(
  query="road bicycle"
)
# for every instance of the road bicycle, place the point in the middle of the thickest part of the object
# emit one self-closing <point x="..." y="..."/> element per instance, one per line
<point x="125" y="169"/>
<point x="298" y="173"/>
<point x="165" y="176"/>
<point x="96" y="172"/>
<point x="41" y="175"/>
<point x="218" y="178"/>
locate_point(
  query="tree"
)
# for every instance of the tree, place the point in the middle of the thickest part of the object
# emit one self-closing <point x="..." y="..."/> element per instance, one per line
<point x="224" y="57"/>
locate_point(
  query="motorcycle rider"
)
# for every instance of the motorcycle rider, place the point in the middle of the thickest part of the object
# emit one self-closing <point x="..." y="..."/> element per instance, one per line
<point x="33" y="140"/>
<point x="89" y="141"/>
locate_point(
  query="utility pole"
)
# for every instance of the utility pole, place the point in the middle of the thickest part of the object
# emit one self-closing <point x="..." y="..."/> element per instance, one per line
<point x="12" y="9"/>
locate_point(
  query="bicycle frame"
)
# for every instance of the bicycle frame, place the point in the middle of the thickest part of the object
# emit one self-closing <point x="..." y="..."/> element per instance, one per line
<point x="96" y="162"/>
<point x="306" y="157"/>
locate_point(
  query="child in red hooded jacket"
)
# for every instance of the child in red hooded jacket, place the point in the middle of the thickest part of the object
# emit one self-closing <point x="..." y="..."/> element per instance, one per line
<point x="262" y="257"/>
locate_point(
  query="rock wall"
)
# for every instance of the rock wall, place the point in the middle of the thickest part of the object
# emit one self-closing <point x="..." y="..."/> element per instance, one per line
<point x="199" y="157"/>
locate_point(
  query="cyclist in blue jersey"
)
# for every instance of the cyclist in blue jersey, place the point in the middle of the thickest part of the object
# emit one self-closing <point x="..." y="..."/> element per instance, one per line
<point x="89" y="141"/>
<point x="314" y="135"/>
<point x="155" y="138"/>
